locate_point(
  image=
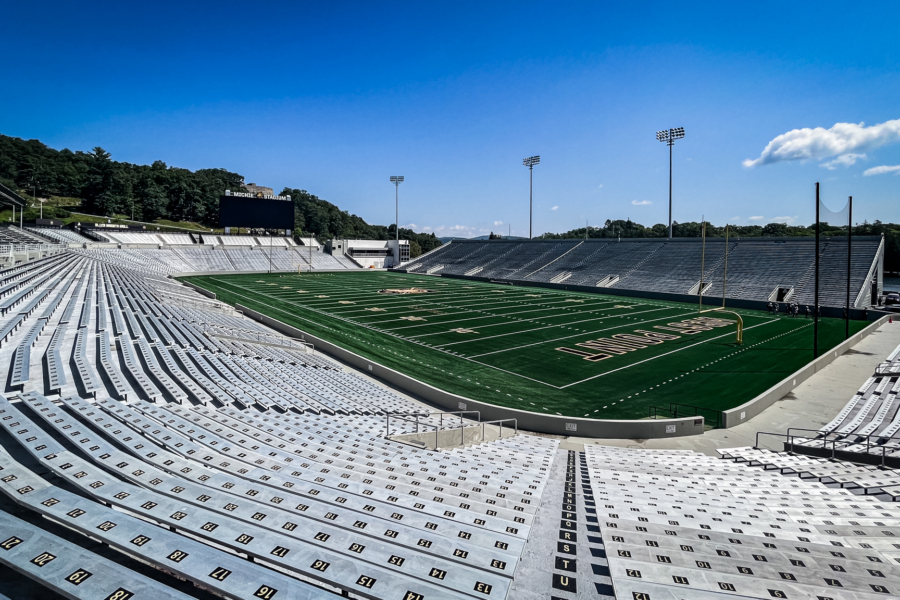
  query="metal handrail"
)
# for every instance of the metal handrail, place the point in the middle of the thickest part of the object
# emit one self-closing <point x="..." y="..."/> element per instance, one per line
<point x="789" y="439"/>
<point x="653" y="412"/>
<point x="501" y="421"/>
<point x="438" y="428"/>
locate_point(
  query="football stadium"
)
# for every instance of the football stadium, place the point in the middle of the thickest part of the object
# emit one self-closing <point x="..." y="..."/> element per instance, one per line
<point x="216" y="390"/>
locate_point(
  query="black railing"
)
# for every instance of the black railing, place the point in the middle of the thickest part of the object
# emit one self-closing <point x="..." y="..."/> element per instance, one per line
<point x="876" y="445"/>
<point x="713" y="418"/>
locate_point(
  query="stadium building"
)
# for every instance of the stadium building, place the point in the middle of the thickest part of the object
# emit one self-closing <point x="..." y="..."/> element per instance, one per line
<point x="238" y="416"/>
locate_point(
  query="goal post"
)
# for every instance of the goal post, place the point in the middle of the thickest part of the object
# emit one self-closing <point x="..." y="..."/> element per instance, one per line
<point x="727" y="314"/>
<point x="720" y="310"/>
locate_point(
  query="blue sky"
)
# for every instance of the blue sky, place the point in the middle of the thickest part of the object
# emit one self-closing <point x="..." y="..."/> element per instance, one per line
<point x="336" y="97"/>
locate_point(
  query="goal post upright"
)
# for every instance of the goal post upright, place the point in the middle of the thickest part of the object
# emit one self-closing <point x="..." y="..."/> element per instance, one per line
<point x="739" y="321"/>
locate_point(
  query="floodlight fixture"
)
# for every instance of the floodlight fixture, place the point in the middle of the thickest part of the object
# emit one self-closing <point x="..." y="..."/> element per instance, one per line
<point x="396" y="179"/>
<point x="530" y="162"/>
<point x="669" y="136"/>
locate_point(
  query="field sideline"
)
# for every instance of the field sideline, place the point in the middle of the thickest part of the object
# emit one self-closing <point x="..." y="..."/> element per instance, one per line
<point x="548" y="351"/>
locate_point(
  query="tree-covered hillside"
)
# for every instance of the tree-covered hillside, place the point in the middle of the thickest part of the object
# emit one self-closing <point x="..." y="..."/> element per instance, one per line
<point x="108" y="187"/>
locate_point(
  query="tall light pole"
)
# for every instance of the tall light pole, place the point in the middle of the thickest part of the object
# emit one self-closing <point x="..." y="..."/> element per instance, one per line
<point x="530" y="162"/>
<point x="397" y="180"/>
<point x="669" y="136"/>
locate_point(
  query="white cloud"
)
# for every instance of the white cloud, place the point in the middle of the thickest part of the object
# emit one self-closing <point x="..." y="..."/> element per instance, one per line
<point x="819" y="143"/>
<point x="498" y="222"/>
<point x="555" y="208"/>
<point x="734" y="219"/>
<point x="759" y="218"/>
<point x="463" y="231"/>
<point x="882" y="170"/>
<point x="641" y="202"/>
<point x="599" y="186"/>
<point x="844" y="160"/>
<point x="785" y="220"/>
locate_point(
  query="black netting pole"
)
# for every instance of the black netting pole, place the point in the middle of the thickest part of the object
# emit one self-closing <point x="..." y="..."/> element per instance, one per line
<point x="849" y="239"/>
<point x="816" y="300"/>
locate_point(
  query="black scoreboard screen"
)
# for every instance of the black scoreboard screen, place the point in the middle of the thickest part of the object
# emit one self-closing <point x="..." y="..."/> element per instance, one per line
<point x="255" y="213"/>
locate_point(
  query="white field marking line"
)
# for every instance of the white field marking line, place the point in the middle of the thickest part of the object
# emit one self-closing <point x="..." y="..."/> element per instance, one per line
<point x="545" y="327"/>
<point x="462" y="304"/>
<point x="509" y="372"/>
<point x="363" y="326"/>
<point x="507" y="303"/>
<point x="435" y="302"/>
<point x="598" y="318"/>
<point x="641" y="324"/>
<point x="493" y="315"/>
<point x="428" y="299"/>
<point x="666" y="354"/>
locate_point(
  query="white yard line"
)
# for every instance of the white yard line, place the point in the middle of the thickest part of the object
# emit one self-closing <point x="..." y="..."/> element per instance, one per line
<point x="540" y="328"/>
<point x="471" y="359"/>
<point x="582" y="334"/>
<point x="666" y="354"/>
<point x="508" y="321"/>
<point x="326" y="314"/>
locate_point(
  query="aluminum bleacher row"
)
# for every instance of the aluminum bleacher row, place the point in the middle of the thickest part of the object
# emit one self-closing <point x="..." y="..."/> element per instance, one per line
<point x="677" y="524"/>
<point x="177" y="433"/>
<point x="866" y="429"/>
<point x="757" y="267"/>
<point x="194" y="439"/>
<point x="196" y="259"/>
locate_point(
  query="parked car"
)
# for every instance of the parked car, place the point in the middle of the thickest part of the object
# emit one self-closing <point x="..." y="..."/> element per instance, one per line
<point x="892" y="298"/>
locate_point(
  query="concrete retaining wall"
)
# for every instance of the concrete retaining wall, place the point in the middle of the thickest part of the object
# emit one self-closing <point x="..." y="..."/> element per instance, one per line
<point x="530" y="421"/>
<point x="748" y="410"/>
<point x="200" y="290"/>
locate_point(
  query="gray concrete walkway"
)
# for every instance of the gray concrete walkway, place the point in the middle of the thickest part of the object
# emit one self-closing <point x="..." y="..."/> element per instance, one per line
<point x="811" y="404"/>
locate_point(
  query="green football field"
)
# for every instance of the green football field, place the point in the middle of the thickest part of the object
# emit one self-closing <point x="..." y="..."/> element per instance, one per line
<point x="548" y="351"/>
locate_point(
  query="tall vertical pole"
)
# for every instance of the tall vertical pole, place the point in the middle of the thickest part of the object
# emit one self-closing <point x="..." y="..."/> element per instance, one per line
<point x="702" y="262"/>
<point x="725" y="273"/>
<point x="849" y="240"/>
<point x="671" y="143"/>
<point x="530" y="198"/>
<point x="397" y="217"/>
<point x="816" y="307"/>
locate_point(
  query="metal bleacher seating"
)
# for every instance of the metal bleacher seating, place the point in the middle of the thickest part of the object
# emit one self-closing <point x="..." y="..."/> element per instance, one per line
<point x="757" y="267"/>
<point x="214" y="438"/>
<point x="677" y="524"/>
<point x="65" y="236"/>
<point x="205" y="446"/>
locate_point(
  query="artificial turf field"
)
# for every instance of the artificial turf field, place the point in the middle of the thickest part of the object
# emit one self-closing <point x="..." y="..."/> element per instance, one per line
<point x="499" y="343"/>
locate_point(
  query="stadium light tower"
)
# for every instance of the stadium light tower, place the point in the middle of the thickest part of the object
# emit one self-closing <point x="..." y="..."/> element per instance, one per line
<point x="530" y="162"/>
<point x="397" y="180"/>
<point x="669" y="136"/>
